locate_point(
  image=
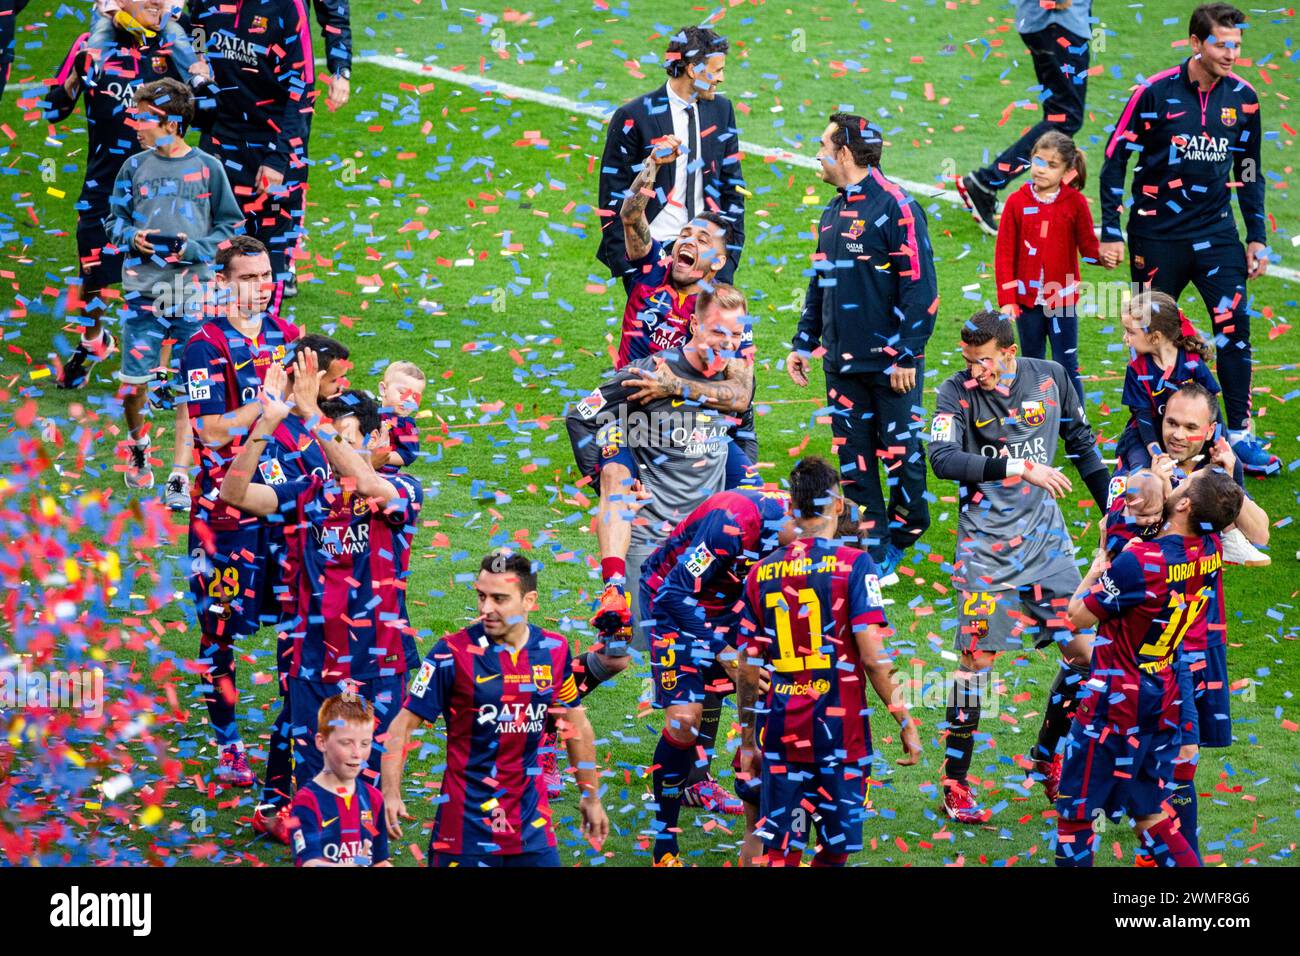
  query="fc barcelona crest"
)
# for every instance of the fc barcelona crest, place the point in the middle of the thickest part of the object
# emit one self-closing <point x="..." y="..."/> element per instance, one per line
<point x="1034" y="413"/>
<point x="258" y="25"/>
<point x="857" y="229"/>
<point x="159" y="64"/>
<point x="1229" y="116"/>
<point x="668" y="680"/>
<point x="541" y="676"/>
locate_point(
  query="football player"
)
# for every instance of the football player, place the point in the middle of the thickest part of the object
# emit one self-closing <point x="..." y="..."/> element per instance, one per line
<point x="995" y="430"/>
<point x="813" y="615"/>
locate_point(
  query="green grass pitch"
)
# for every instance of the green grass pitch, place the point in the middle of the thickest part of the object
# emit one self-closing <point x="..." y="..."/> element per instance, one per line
<point x="455" y="228"/>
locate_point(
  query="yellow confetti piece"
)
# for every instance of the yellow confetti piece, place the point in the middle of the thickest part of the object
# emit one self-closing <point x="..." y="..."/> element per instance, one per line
<point x="40" y="373"/>
<point x="16" y="732"/>
<point x="71" y="571"/>
<point x="76" y="758"/>
<point x="539" y="823"/>
<point x="150" y="815"/>
<point x="48" y="507"/>
<point x="94" y="806"/>
<point x="490" y="805"/>
<point x="56" y="193"/>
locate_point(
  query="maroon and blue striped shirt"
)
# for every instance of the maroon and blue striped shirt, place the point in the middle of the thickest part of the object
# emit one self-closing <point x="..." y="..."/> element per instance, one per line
<point x="493" y="798"/>
<point x="1151" y="598"/>
<point x="338" y="828"/>
<point x="350" y="563"/>
<point x="804" y="605"/>
<point x="693" y="583"/>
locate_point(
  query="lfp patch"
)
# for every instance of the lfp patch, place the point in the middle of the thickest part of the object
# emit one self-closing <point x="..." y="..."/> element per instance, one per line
<point x="421" y="682"/>
<point x="590" y="405"/>
<point x="199" y="385"/>
<point x="941" y="428"/>
<point x="699" y="561"/>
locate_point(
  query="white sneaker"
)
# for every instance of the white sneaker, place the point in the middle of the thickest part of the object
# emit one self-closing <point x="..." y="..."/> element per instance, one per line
<point x="177" y="492"/>
<point x="1238" y="550"/>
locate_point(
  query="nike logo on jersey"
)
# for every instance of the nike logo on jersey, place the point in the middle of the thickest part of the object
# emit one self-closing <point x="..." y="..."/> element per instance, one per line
<point x="986" y="421"/>
<point x="480" y="679"/>
<point x="239" y="365"/>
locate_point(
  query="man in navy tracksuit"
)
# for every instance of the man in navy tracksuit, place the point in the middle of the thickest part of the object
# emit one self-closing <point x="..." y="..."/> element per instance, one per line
<point x="871" y="306"/>
<point x="1195" y="130"/>
<point x="138" y="54"/>
<point x="1056" y="37"/>
<point x="262" y="60"/>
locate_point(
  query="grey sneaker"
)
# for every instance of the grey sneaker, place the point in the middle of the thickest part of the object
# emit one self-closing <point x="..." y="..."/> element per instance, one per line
<point x="139" y="474"/>
<point x="176" y="493"/>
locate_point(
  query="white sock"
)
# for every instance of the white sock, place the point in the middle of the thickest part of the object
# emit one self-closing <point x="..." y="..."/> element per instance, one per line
<point x="96" y="339"/>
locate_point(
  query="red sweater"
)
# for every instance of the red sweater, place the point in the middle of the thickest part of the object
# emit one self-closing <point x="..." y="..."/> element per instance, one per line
<point x="1038" y="240"/>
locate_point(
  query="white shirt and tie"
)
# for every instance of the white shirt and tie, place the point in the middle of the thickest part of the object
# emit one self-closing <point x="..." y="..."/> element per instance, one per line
<point x="676" y="213"/>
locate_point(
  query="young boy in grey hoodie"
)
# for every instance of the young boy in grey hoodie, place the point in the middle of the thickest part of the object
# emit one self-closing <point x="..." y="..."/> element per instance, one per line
<point x="171" y="208"/>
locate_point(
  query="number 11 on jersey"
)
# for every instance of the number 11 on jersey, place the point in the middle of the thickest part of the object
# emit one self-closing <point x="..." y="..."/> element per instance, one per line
<point x="787" y="661"/>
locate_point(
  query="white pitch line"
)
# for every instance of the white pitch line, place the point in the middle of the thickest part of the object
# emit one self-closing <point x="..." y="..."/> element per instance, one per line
<point x="603" y="113"/>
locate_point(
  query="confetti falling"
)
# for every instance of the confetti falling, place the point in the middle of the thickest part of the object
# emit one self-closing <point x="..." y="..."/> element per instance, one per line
<point x="455" y="225"/>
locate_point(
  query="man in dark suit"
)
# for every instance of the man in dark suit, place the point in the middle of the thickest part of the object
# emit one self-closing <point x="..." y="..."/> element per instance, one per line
<point x="706" y="176"/>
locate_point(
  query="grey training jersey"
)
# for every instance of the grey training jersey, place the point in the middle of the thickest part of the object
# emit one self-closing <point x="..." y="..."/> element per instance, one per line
<point x="1009" y="534"/>
<point x="678" y="447"/>
<point x="171" y="195"/>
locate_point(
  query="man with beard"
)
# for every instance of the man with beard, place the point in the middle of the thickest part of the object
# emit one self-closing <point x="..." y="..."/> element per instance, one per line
<point x="1132" y="730"/>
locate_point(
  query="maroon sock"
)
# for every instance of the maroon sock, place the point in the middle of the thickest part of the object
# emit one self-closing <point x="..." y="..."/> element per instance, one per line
<point x="611" y="568"/>
<point x="1179" y="849"/>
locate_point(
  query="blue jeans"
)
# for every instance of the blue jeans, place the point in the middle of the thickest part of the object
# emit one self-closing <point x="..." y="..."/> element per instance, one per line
<point x="1035" y="328"/>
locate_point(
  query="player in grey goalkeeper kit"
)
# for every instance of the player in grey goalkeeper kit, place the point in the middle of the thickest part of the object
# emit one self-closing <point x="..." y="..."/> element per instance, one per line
<point x="658" y="457"/>
<point x="995" y="431"/>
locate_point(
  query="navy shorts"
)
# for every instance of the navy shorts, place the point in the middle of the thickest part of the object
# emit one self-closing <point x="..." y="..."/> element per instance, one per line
<point x="549" y="857"/>
<point x="684" y="667"/>
<point x="227" y="583"/>
<point x="1213" y="695"/>
<point x="836" y="793"/>
<point x="1124" y="773"/>
<point x="305" y="699"/>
